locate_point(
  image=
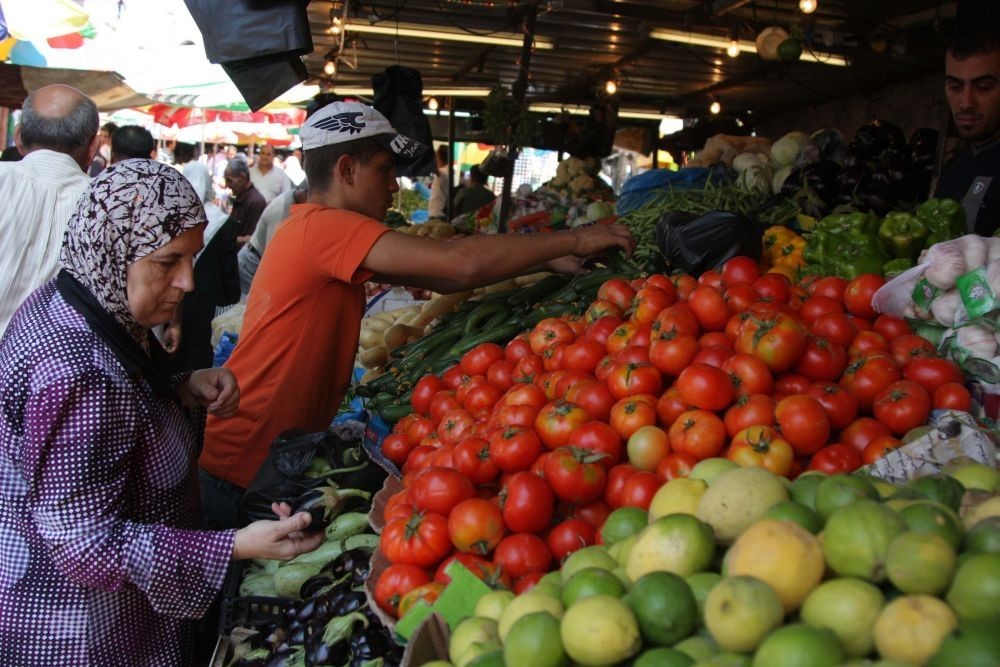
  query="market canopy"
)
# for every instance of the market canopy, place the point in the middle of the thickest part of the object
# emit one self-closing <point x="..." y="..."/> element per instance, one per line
<point x="107" y="89"/>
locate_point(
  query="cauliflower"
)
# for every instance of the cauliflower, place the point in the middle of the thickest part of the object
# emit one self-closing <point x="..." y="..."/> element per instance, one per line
<point x="582" y="183"/>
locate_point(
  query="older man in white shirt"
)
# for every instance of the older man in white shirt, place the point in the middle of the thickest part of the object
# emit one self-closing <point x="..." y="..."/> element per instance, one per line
<point x="58" y="137"/>
<point x="270" y="180"/>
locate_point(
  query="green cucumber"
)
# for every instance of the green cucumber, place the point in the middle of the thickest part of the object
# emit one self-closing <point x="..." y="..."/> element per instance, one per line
<point x="481" y="314"/>
<point x="554" y="310"/>
<point x="393" y="412"/>
<point x="503" y="332"/>
<point x="498" y="318"/>
<point x="593" y="279"/>
<point x="541" y="289"/>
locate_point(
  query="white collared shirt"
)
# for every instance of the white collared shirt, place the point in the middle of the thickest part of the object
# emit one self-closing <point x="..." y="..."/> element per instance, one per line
<point x="37" y="197"/>
<point x="271" y="184"/>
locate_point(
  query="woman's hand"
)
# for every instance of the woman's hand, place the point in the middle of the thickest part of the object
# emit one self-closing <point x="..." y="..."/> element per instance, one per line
<point x="216" y="390"/>
<point x="277" y="540"/>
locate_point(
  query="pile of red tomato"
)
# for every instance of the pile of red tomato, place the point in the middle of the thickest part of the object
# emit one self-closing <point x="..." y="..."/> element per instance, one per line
<point x="514" y="457"/>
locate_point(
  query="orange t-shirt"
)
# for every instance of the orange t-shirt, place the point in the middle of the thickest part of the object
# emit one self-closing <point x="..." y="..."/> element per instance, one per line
<point x="300" y="332"/>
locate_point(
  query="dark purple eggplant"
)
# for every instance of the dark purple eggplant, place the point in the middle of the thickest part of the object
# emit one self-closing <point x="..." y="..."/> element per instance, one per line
<point x="252" y="662"/>
<point x="351" y="601"/>
<point x="324" y="503"/>
<point x="873" y="139"/>
<point x="313" y="585"/>
<point x="369" y="644"/>
<point x="356" y="562"/>
<point x="284" y="658"/>
<point x="318" y="652"/>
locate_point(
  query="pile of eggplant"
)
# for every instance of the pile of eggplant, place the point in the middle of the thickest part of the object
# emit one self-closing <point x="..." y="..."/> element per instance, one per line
<point x="878" y="171"/>
<point x="332" y="624"/>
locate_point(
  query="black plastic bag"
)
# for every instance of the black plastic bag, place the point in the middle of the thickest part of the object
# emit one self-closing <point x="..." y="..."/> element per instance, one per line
<point x="399" y="96"/>
<point x="282" y="476"/>
<point x="698" y="244"/>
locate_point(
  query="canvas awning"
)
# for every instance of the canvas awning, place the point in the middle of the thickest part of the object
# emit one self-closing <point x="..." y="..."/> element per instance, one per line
<point x="107" y="89"/>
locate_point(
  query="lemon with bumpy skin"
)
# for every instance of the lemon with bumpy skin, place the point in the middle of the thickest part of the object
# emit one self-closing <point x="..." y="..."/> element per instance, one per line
<point x="920" y="563"/>
<point x="737" y="499"/>
<point x="600" y="630"/>
<point x="766" y="549"/>
<point x="849" y="607"/>
<point x="912" y="627"/>
<point x="741" y="611"/>
<point x="526" y="604"/>
<point x="678" y="496"/>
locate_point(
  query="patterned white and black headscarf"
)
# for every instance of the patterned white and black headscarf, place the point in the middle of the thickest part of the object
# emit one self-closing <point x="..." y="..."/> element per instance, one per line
<point x="130" y="210"/>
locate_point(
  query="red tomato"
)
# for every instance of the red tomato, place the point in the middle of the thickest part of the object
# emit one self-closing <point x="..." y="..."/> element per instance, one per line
<point x="439" y="490"/>
<point x="482" y="397"/>
<point x="454" y="426"/>
<point x="816" y="306"/>
<point x="778" y="340"/>
<point x="647" y="447"/>
<point x="556" y="421"/>
<point x="698" y="433"/>
<point x="859" y="293"/>
<point x="740" y="296"/>
<point x="670" y="406"/>
<point x="803" y="423"/>
<point x="582" y="355"/>
<point x="879" y="447"/>
<point x="527" y="582"/>
<point x="774" y="287"/>
<point x="443" y="457"/>
<point x="421" y="539"/>
<point x="472" y="459"/>
<point x="685" y="284"/>
<point x="453" y="377"/>
<point x="787" y="384"/>
<point x="569" y="536"/>
<point x="634" y="354"/>
<point x="528" y="368"/>
<point x="468" y="382"/>
<point x="620" y="338"/>
<point x="617" y="476"/>
<point x="521" y="554"/>
<point x="716" y="355"/>
<point x="705" y="387"/>
<point x="836" y="327"/>
<point x="595" y="513"/>
<point x="594" y="397"/>
<point x="932" y="372"/>
<point x="860" y="433"/>
<point x="650" y="302"/>
<point x="629" y="379"/>
<point x="514" y="448"/>
<point x="598" y="438"/>
<point x="709" y="306"/>
<point x="423" y="393"/>
<point x="748" y="375"/>
<point x="601" y="309"/>
<point x="866" y="343"/>
<point x="831" y="287"/>
<point x="517" y="348"/>
<point x="395" y="582"/>
<point x="552" y="357"/>
<point x="640" y="489"/>
<point x="711" y="278"/>
<point x="514" y="415"/>
<point x="442" y="402"/>
<point x="952" y="396"/>
<point x="891" y="326"/>
<point x="599" y="330"/>
<point x="761" y="447"/>
<point x="749" y="410"/>
<point x="501" y="374"/>
<point x="418" y="459"/>
<point x="676" y="465"/>
<point x="575" y="475"/>
<point x="678" y="318"/>
<point x="661" y="281"/>
<point x="836" y="458"/>
<point x="396" y="448"/>
<point x="475" y="526"/>
<point x="549" y="332"/>
<point x="907" y="346"/>
<point x="840" y="404"/>
<point x="569" y="380"/>
<point x="822" y="360"/>
<point x="618" y="292"/>
<point x="740" y="270"/>
<point x="869" y="375"/>
<point x="672" y="352"/>
<point x="479" y="359"/>
<point x="902" y="406"/>
<point x="525" y="394"/>
<point x="527" y="503"/>
<point x="629" y="414"/>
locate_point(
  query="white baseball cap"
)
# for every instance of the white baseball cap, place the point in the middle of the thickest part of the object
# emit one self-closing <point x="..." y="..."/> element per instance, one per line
<point x="346" y="121"/>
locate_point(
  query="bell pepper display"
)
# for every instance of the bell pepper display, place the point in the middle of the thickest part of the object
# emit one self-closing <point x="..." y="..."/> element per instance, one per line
<point x="783" y="248"/>
<point x="848" y="244"/>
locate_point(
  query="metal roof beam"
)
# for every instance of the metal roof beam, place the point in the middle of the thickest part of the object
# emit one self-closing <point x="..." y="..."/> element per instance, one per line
<point x="723" y="7"/>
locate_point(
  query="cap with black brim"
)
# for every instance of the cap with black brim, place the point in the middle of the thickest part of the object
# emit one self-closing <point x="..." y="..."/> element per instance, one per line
<point x="404" y="149"/>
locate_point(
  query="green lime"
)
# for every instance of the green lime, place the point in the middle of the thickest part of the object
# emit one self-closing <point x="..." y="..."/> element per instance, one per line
<point x="697" y="647"/>
<point x="600" y="630"/>
<point x="975" y="591"/>
<point x="665" y="607"/>
<point x="856" y="539"/>
<point x="925" y="516"/>
<point x="984" y="537"/>
<point x="841" y="490"/>
<point x="701" y="583"/>
<point x="623" y="522"/>
<point x="534" y="640"/>
<point x="920" y="563"/>
<point x="491" y="659"/>
<point x="849" y="607"/>
<point x="969" y="645"/>
<point x="797" y="513"/>
<point x="589" y="582"/>
<point x="592" y="556"/>
<point x="796" y="645"/>
<point x="940" y="488"/>
<point x="663" y="657"/>
<point x="803" y="489"/>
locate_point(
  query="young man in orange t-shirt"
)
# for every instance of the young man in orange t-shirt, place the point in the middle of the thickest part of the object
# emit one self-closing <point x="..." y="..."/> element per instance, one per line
<point x="300" y="332"/>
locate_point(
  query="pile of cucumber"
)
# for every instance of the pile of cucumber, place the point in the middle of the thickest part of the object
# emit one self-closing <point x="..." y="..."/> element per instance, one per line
<point x="493" y="318"/>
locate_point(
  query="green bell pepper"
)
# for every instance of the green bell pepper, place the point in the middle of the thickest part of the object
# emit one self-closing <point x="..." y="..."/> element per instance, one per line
<point x="861" y="225"/>
<point x="943" y="217"/>
<point x="894" y="267"/>
<point x="903" y="234"/>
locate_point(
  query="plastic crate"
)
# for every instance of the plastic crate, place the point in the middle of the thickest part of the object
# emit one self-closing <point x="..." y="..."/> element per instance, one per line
<point x="375" y="432"/>
<point x="247" y="612"/>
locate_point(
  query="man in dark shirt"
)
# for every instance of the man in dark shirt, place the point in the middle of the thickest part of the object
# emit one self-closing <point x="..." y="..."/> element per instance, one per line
<point x="475" y="195"/>
<point x="248" y="202"/>
<point x="972" y="85"/>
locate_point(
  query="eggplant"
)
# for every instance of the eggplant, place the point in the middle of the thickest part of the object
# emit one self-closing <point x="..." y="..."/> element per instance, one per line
<point x="285" y="658"/>
<point x="369" y="644"/>
<point x="307" y="611"/>
<point x="351" y="601"/>
<point x="873" y="139"/>
<point x="325" y="503"/>
<point x="314" y="584"/>
<point x="318" y="652"/>
<point x="299" y="635"/>
<point x="356" y="562"/>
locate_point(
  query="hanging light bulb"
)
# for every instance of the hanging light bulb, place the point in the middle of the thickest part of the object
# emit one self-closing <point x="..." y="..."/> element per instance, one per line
<point x="330" y="68"/>
<point x="611" y="87"/>
<point x="715" y="107"/>
<point x="432" y="104"/>
<point x="733" y="49"/>
<point x="808" y="6"/>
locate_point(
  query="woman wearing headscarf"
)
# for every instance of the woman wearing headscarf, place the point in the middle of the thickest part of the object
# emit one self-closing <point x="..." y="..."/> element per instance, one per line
<point x="100" y="559"/>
